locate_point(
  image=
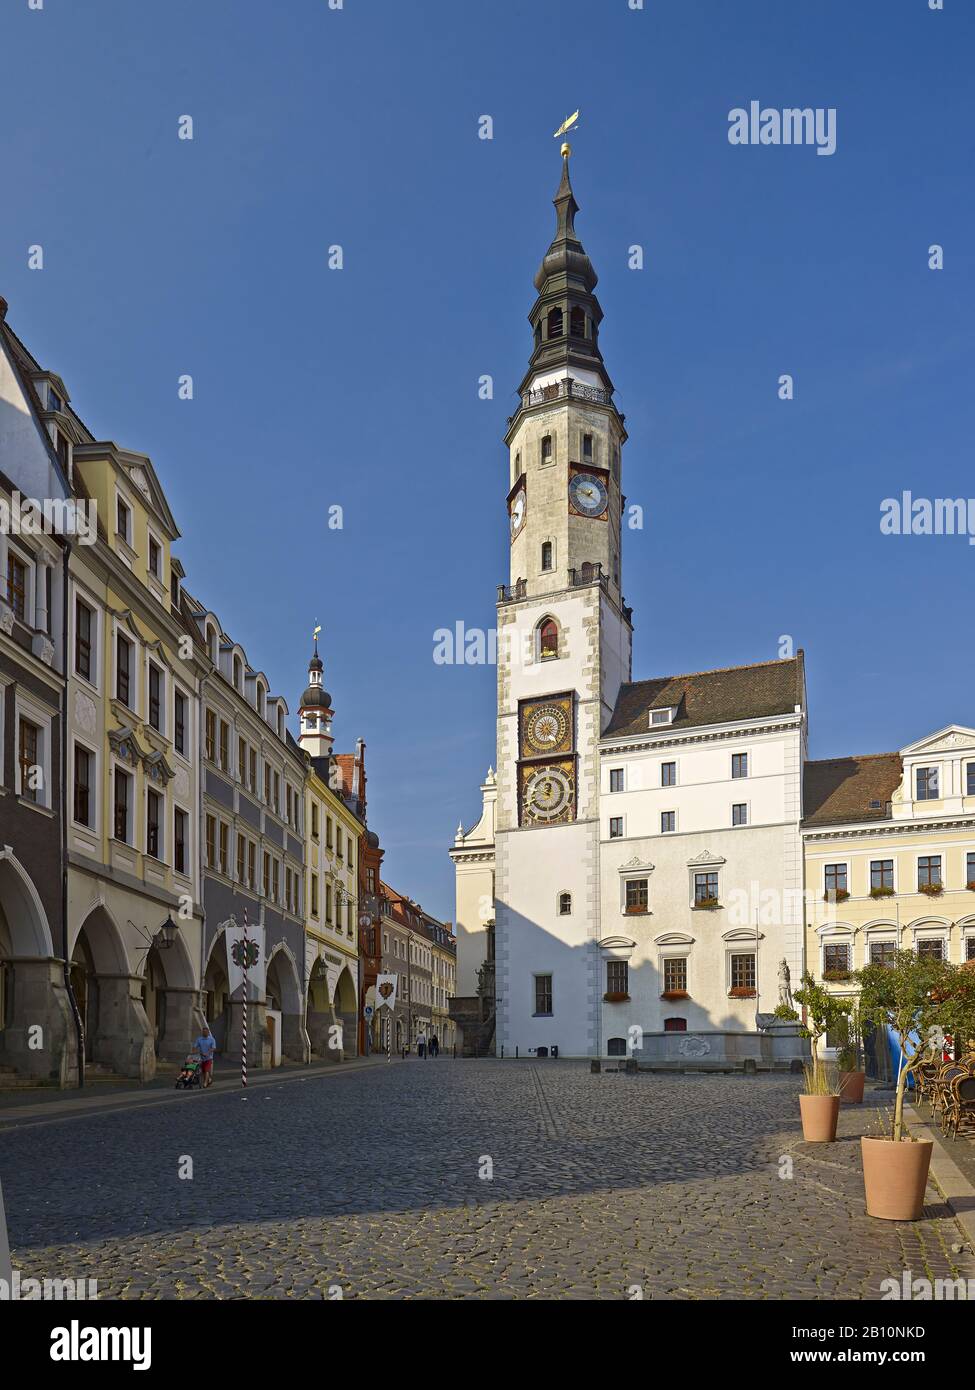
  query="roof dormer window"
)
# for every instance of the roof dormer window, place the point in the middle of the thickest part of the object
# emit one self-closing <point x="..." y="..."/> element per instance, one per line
<point x="659" y="717"/>
<point x="54" y="401"/>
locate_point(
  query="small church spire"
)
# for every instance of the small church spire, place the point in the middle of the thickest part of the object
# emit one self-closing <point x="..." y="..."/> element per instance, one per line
<point x="315" y="711"/>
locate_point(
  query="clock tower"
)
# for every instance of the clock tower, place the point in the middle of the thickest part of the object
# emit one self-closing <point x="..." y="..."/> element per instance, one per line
<point x="564" y="640"/>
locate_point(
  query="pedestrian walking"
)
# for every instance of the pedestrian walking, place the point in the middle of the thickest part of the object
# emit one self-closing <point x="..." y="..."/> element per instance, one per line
<point x="434" y="1045"/>
<point x="206" y="1046"/>
<point x="421" y="1046"/>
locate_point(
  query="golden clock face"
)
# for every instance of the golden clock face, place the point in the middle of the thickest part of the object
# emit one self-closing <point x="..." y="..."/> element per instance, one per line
<point x="548" y="793"/>
<point x="546" y="727"/>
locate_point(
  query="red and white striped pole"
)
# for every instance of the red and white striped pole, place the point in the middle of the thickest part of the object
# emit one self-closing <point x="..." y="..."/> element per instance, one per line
<point x="243" y="1026"/>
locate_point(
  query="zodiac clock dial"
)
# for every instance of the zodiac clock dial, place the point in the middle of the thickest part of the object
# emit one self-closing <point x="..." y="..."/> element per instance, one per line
<point x="545" y="728"/>
<point x="547" y="793"/>
<point x="588" y="494"/>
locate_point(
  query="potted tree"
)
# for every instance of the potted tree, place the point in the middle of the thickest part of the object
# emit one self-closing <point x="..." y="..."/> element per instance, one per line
<point x="852" y="1075"/>
<point x="910" y="997"/>
<point x="819" y="1103"/>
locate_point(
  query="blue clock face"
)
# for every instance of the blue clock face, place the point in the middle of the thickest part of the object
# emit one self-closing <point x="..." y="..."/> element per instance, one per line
<point x="588" y="494"/>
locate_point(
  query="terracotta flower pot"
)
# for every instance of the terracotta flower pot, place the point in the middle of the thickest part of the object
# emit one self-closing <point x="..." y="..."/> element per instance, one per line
<point x="894" y="1177"/>
<point x="851" y="1087"/>
<point x="819" y="1116"/>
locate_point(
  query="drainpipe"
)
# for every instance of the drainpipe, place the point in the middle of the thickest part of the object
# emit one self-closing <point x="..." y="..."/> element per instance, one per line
<point x="65" y="950"/>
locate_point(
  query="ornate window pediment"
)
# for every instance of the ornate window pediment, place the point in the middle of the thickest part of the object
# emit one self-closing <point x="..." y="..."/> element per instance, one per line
<point x="706" y="859"/>
<point x="157" y="767"/>
<point x="673" y="938"/>
<point x="636" y="866"/>
<point x="743" y="934"/>
<point x="125" y="745"/>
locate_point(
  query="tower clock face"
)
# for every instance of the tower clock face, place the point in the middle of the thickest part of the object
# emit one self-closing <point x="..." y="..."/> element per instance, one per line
<point x="548" y="793"/>
<point x="588" y="494"/>
<point x="517" y="514"/>
<point x="545" y="729"/>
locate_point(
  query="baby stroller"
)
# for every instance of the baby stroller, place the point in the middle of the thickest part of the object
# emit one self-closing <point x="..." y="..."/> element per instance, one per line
<point x="190" y="1076"/>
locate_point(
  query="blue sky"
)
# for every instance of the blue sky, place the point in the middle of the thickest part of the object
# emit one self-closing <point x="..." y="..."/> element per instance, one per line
<point x="358" y="387"/>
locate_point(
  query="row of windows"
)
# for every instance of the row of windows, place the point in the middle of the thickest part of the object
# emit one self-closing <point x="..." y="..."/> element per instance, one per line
<point x="741" y="979"/>
<point x="335" y="839"/>
<point x="124" y="530"/>
<point x="668" y="770"/>
<point x="930" y="871"/>
<point x="216" y="745"/>
<point x="123" y="812"/>
<point x="316" y="906"/>
<point x="668" y="821"/>
<point x="546" y="453"/>
<point x="217" y="857"/>
<point x="837" y="956"/>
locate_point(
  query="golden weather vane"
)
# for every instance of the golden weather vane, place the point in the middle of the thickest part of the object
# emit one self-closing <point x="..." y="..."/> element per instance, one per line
<point x="564" y="128"/>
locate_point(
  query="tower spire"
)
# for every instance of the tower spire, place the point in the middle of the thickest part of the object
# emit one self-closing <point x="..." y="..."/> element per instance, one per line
<point x="315" y="712"/>
<point x="566" y="315"/>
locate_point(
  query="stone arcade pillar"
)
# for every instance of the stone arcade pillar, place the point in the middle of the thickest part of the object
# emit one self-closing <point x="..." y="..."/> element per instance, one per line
<point x="183" y="1023"/>
<point x="40" y="1040"/>
<point x="121" y="1038"/>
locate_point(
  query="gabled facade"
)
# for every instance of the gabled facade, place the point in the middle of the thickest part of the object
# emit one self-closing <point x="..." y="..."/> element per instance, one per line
<point x="133" y="774"/>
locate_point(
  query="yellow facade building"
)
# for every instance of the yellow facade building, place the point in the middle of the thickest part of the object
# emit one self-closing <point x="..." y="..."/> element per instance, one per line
<point x="133" y="793"/>
<point x="889" y="849"/>
<point x="332" y="833"/>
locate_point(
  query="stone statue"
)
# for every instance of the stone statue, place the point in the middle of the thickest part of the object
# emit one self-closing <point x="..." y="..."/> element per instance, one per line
<point x="785" y="984"/>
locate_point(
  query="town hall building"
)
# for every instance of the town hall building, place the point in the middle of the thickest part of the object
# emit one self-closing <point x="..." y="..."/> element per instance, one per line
<point x="637" y="864"/>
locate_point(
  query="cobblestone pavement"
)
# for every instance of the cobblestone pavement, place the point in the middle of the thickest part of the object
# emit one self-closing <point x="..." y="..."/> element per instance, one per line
<point x="368" y="1183"/>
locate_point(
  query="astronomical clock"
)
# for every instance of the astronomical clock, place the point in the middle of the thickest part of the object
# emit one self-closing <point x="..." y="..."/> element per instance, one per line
<point x="589" y="492"/>
<point x="547" y="765"/>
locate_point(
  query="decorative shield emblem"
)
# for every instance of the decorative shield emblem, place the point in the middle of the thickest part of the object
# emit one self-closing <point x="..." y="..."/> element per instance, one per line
<point x="386" y="989"/>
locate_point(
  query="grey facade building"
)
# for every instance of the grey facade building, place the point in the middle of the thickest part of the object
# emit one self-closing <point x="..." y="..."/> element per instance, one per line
<point x="251" y="835"/>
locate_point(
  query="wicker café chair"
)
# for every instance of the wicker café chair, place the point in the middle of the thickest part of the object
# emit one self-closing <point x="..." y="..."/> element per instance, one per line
<point x="960" y="1105"/>
<point x="941" y="1087"/>
<point x="925" y="1075"/>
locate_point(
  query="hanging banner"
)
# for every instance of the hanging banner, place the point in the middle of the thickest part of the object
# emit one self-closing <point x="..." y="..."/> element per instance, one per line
<point x="255" y="972"/>
<point x="386" y="990"/>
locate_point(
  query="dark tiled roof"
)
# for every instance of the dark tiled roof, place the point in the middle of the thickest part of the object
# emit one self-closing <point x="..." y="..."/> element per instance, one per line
<point x="841" y="789"/>
<point x="711" y="697"/>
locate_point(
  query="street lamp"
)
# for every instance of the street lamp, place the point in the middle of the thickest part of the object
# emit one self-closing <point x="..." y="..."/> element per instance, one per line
<point x="167" y="934"/>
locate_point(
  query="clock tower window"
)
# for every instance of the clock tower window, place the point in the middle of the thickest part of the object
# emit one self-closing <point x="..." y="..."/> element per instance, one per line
<point x="577" y="323"/>
<point x="555" y="323"/>
<point x="587" y="448"/>
<point x="547" y="450"/>
<point x="548" y="638"/>
<point x="547" y="555"/>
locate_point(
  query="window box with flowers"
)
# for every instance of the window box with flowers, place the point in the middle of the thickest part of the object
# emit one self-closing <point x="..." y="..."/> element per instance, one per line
<point x="836" y="895"/>
<point x="834" y="977"/>
<point x="742" y="992"/>
<point x="971" y="886"/>
<point x="706" y="903"/>
<point x="637" y="910"/>
<point x="671" y="994"/>
<point x="615" y="996"/>
<point x="881" y="892"/>
<point x="931" y="890"/>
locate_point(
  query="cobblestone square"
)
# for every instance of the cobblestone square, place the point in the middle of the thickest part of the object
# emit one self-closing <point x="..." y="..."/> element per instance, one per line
<point x="367" y="1185"/>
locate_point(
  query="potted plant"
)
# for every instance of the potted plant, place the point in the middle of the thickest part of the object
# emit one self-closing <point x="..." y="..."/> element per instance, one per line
<point x="819" y="1103"/>
<point x="881" y="892"/>
<point x="911" y="996"/>
<point x="852" y="1076"/>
